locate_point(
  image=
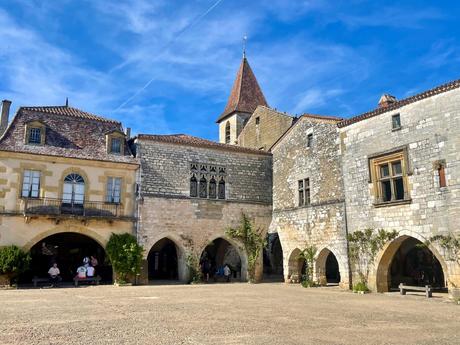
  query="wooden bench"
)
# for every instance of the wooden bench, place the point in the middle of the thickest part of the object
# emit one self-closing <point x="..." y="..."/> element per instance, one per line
<point x="37" y="280"/>
<point x="427" y="288"/>
<point x="95" y="279"/>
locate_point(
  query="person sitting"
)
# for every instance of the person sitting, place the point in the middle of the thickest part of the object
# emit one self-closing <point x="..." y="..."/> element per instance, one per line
<point x="81" y="272"/>
<point x="90" y="271"/>
<point x="54" y="274"/>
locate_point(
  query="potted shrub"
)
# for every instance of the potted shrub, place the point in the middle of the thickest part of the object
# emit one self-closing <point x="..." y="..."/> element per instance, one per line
<point x="308" y="254"/>
<point x="125" y="254"/>
<point x="13" y="261"/>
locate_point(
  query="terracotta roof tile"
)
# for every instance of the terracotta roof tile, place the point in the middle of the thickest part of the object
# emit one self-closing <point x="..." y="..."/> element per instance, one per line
<point x="246" y="94"/>
<point x="188" y="140"/>
<point x="69" y="132"/>
<point x="399" y="104"/>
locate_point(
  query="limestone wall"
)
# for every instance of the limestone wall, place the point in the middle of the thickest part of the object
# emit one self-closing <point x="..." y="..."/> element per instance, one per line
<point x="430" y="132"/>
<point x="264" y="132"/>
<point x="322" y="223"/>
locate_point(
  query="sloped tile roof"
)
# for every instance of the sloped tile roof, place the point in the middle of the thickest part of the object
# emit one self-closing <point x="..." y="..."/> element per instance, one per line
<point x="69" y="132"/>
<point x="188" y="140"/>
<point x="246" y="94"/>
<point x="399" y="104"/>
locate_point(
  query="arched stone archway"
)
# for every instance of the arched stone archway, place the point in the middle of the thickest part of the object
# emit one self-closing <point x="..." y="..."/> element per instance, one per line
<point x="220" y="252"/>
<point x="327" y="268"/>
<point x="163" y="261"/>
<point x="273" y="258"/>
<point x="296" y="267"/>
<point x="67" y="249"/>
<point x="407" y="260"/>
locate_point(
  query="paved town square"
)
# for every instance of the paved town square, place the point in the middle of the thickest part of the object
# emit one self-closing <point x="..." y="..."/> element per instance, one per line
<point x="236" y="313"/>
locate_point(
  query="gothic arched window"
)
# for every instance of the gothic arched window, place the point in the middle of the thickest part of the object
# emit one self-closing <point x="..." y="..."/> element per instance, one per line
<point x="212" y="188"/>
<point x="222" y="188"/>
<point x="74" y="189"/>
<point x="193" y="187"/>
<point x="203" y="188"/>
<point x="227" y="133"/>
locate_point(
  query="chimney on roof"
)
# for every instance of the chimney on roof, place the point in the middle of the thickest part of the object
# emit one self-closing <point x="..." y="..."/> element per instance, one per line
<point x="128" y="133"/>
<point x="386" y="100"/>
<point x="4" y="116"/>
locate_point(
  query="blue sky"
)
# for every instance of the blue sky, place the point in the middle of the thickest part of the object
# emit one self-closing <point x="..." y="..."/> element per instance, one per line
<point x="316" y="56"/>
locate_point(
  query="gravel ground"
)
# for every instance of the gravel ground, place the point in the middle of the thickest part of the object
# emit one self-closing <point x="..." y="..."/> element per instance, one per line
<point x="223" y="314"/>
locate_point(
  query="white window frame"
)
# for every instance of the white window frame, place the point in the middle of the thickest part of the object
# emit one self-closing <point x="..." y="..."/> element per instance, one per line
<point x="113" y="193"/>
<point x="31" y="184"/>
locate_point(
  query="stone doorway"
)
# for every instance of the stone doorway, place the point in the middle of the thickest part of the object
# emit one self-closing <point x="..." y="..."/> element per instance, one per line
<point x="408" y="260"/>
<point x="216" y="255"/>
<point x="327" y="268"/>
<point x="67" y="249"/>
<point x="163" y="261"/>
<point x="273" y="259"/>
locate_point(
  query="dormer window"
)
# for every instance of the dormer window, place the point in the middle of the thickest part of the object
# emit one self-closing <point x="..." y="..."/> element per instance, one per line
<point x="115" y="146"/>
<point x="35" y="136"/>
<point x="115" y="142"/>
<point x="35" y="133"/>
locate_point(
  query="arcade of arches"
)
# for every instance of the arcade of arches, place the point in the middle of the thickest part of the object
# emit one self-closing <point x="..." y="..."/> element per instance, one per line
<point x="67" y="249"/>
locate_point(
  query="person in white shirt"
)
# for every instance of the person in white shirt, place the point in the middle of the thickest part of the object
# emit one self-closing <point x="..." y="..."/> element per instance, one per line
<point x="54" y="274"/>
<point x="227" y="272"/>
<point x="81" y="272"/>
<point x="90" y="271"/>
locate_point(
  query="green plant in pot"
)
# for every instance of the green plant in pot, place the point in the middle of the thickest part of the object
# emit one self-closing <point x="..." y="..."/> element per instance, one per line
<point x="125" y="255"/>
<point x="308" y="254"/>
<point x="13" y="262"/>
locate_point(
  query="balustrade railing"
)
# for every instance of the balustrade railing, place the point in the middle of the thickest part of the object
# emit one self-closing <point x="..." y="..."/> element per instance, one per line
<point x="58" y="207"/>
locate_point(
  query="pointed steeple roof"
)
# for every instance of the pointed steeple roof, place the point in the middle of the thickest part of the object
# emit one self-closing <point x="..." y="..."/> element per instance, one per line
<point x="246" y="94"/>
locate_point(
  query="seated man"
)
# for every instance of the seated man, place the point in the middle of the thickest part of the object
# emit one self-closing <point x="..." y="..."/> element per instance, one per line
<point x="81" y="272"/>
<point x="54" y="274"/>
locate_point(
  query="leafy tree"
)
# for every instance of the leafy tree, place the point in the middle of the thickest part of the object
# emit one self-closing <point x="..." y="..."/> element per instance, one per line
<point x="13" y="261"/>
<point x="253" y="241"/>
<point x="125" y="254"/>
<point x="308" y="254"/>
<point x="364" y="247"/>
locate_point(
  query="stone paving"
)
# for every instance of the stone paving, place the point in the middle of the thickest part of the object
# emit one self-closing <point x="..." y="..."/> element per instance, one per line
<point x="239" y="313"/>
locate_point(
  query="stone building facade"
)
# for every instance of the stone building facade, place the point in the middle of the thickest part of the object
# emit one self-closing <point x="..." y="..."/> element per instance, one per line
<point x="419" y="139"/>
<point x="308" y="199"/>
<point x="67" y="182"/>
<point x="191" y="191"/>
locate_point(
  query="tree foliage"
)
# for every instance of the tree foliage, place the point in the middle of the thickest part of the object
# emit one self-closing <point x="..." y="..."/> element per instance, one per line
<point x="364" y="247"/>
<point x="125" y="254"/>
<point x="13" y="261"/>
<point x="193" y="265"/>
<point x="253" y="241"/>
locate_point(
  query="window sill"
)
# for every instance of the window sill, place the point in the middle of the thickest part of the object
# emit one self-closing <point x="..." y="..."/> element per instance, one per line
<point x="392" y="203"/>
<point x="396" y="129"/>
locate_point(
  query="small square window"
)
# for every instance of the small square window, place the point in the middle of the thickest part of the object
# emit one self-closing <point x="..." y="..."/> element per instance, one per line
<point x="115" y="146"/>
<point x="396" y="121"/>
<point x="35" y="136"/>
<point x="309" y="140"/>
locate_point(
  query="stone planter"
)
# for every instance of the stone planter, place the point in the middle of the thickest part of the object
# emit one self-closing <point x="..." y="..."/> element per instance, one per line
<point x="123" y="284"/>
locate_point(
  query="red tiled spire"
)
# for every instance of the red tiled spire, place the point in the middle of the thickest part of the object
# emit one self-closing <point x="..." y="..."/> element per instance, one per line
<point x="246" y="94"/>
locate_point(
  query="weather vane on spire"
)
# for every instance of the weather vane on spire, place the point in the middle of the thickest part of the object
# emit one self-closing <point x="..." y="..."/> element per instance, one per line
<point x="245" y="39"/>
